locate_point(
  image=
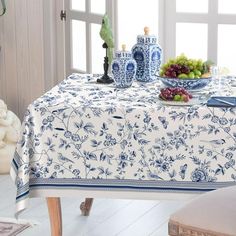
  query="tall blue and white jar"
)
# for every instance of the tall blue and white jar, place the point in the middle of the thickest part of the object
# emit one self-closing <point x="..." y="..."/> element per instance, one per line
<point x="123" y="68"/>
<point x="148" y="55"/>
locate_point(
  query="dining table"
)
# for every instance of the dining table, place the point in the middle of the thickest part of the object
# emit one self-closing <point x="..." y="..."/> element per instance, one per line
<point x="94" y="140"/>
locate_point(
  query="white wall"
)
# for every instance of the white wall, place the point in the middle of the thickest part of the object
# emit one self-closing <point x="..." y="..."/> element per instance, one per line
<point x="29" y="63"/>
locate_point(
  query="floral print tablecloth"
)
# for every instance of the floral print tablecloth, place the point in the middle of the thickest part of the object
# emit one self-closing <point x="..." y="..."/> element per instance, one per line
<point x="84" y="135"/>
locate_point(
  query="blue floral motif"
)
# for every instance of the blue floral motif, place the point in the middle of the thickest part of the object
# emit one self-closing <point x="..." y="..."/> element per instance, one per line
<point x="199" y="175"/>
<point x="123" y="160"/>
<point x="123" y="69"/>
<point x="83" y="131"/>
<point x="109" y="140"/>
<point x="148" y="56"/>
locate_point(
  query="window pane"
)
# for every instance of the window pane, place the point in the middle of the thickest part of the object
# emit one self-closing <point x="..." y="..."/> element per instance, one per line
<point x="191" y="39"/>
<point x="227" y="6"/>
<point x="98" y="52"/>
<point x="132" y="22"/>
<point x="98" y="6"/>
<point x="78" y="5"/>
<point x="79" y="45"/>
<point x="192" y="6"/>
<point x="226" y="47"/>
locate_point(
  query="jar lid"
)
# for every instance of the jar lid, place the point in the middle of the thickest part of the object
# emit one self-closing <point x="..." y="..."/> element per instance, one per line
<point x="147" y="38"/>
<point x="123" y="53"/>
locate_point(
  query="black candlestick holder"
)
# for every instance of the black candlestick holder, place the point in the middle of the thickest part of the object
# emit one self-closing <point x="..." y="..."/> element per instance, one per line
<point x="105" y="79"/>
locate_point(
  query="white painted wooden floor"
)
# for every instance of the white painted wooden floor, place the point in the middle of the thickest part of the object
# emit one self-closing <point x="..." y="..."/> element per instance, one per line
<point x="109" y="217"/>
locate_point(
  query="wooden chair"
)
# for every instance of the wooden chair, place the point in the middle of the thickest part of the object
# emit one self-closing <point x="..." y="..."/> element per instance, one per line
<point x="55" y="214"/>
<point x="86" y="206"/>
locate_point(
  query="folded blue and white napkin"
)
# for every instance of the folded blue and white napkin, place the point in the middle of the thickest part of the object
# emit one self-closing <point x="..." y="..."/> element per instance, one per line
<point x="221" y="101"/>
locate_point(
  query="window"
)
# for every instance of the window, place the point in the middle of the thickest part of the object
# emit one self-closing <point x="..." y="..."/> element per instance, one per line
<point x="98" y="52"/>
<point x="192" y="6"/>
<point x="191" y="39"/>
<point x="78" y="5"/>
<point x="132" y="22"/>
<point x="227" y="7"/>
<point x="83" y="43"/>
<point x="199" y="28"/>
<point x="226" y="46"/>
<point x="78" y="45"/>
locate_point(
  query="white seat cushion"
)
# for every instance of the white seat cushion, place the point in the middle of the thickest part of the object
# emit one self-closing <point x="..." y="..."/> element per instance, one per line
<point x="213" y="213"/>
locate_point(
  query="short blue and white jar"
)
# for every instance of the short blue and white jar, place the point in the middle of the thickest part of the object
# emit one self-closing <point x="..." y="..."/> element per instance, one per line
<point x="148" y="55"/>
<point x="123" y="68"/>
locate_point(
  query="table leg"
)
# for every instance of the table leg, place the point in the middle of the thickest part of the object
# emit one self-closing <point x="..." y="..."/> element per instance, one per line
<point x="54" y="209"/>
<point x="86" y="206"/>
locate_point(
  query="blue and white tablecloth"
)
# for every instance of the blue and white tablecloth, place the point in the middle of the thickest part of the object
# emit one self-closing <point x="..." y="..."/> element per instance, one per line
<point x="84" y="135"/>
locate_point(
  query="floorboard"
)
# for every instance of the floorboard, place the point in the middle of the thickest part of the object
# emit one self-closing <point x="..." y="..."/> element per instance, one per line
<point x="162" y="230"/>
<point x="152" y="219"/>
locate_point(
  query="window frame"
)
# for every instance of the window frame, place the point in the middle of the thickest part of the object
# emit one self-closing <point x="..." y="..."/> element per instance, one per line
<point x="212" y="19"/>
<point x="168" y="17"/>
<point x="89" y="18"/>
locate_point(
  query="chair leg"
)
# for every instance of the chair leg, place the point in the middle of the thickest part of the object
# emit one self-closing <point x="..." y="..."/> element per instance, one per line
<point x="54" y="209"/>
<point x="173" y="229"/>
<point x="86" y="206"/>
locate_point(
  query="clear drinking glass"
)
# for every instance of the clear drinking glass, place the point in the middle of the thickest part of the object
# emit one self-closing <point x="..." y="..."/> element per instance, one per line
<point x="214" y="70"/>
<point x="221" y="80"/>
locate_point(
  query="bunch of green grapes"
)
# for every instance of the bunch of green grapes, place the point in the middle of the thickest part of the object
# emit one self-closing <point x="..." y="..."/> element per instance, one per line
<point x="183" y="67"/>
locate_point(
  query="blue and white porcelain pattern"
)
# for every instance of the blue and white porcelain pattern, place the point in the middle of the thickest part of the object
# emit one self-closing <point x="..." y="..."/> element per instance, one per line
<point x="189" y="84"/>
<point x="148" y="55"/>
<point x="123" y="68"/>
<point x="86" y="136"/>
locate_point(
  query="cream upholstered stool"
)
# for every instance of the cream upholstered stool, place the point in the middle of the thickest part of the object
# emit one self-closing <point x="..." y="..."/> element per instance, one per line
<point x="211" y="214"/>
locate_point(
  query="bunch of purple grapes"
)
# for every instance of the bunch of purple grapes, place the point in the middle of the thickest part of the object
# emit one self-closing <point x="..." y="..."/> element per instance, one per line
<point x="174" y="70"/>
<point x="170" y="93"/>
